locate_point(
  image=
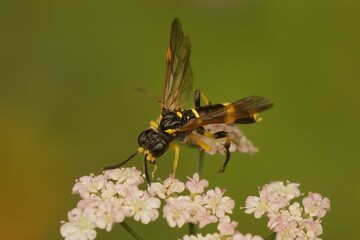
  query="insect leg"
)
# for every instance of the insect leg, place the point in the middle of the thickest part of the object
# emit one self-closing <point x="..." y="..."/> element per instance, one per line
<point x="218" y="135"/>
<point x="226" y="146"/>
<point x="200" y="142"/>
<point x="176" y="148"/>
<point x="146" y="171"/>
<point x="199" y="95"/>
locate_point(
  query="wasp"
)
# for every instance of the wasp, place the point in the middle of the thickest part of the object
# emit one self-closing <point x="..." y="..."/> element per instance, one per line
<point x="179" y="125"/>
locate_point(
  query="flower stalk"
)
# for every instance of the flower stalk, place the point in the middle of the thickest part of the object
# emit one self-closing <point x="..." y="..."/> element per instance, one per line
<point x="131" y="231"/>
<point x="271" y="236"/>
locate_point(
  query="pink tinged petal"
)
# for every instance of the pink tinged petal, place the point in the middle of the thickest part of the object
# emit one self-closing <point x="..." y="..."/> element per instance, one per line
<point x="88" y="185"/>
<point x="313" y="226"/>
<point x="293" y="190"/>
<point x="205" y="217"/>
<point x="130" y="176"/>
<point x="274" y="195"/>
<point x="143" y="208"/>
<point x="71" y="232"/>
<point x="80" y="226"/>
<point x="92" y="202"/>
<point x="219" y="205"/>
<point x="156" y="188"/>
<point x="195" y="185"/>
<point x="315" y="205"/>
<point x="226" y="226"/>
<point x="108" y="191"/>
<point x="175" y="210"/>
<point x="109" y="212"/>
<point x="296" y="211"/>
<point x="248" y="236"/>
<point x="254" y="205"/>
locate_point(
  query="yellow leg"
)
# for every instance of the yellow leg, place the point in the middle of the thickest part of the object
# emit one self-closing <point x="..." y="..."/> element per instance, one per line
<point x="204" y="98"/>
<point x="200" y="142"/>
<point x="153" y="172"/>
<point x="199" y="95"/>
<point x="176" y="148"/>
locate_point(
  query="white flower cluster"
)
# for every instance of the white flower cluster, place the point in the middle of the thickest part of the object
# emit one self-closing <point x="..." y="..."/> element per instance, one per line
<point x="290" y="221"/>
<point x="114" y="195"/>
<point x="239" y="142"/>
<point x="202" y="208"/>
<point x="107" y="199"/>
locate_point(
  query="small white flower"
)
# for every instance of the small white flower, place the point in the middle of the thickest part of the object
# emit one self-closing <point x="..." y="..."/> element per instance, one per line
<point x="255" y="205"/>
<point x="316" y="205"/>
<point x="313" y="227"/>
<point x="110" y="211"/>
<point x="296" y="211"/>
<point x="88" y="185"/>
<point x="92" y="202"/>
<point x="218" y="204"/>
<point x="226" y="226"/>
<point x="130" y="176"/>
<point x="195" y="185"/>
<point x="175" y="210"/>
<point x="80" y="226"/>
<point x="157" y="188"/>
<point x="194" y="209"/>
<point x="144" y="208"/>
<point x="204" y="217"/>
<point x="283" y="224"/>
<point x="108" y="190"/>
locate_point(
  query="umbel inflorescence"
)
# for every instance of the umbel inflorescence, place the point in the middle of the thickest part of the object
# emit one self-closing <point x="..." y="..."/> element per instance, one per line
<point x="115" y="195"/>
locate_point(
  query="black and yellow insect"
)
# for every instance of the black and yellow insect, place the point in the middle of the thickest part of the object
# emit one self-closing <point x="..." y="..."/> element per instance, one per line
<point x="176" y="124"/>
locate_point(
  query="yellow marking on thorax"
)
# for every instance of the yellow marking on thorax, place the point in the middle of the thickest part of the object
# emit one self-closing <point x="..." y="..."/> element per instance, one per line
<point x="170" y="131"/>
<point x="197" y="115"/>
<point x="179" y="114"/>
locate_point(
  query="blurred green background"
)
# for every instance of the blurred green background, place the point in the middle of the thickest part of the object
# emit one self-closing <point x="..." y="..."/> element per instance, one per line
<point x="68" y="70"/>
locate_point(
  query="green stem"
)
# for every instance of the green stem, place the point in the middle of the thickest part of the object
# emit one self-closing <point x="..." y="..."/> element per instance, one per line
<point x="271" y="236"/>
<point x="201" y="162"/>
<point x="192" y="229"/>
<point x="131" y="231"/>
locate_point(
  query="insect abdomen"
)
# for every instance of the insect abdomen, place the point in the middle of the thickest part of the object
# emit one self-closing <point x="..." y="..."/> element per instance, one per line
<point x="208" y="108"/>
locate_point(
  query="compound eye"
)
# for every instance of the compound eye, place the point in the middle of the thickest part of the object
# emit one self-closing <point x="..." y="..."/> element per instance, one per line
<point x="158" y="149"/>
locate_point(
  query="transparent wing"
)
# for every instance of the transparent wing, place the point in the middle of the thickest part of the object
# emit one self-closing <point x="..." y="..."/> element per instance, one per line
<point x="179" y="77"/>
<point x="242" y="111"/>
